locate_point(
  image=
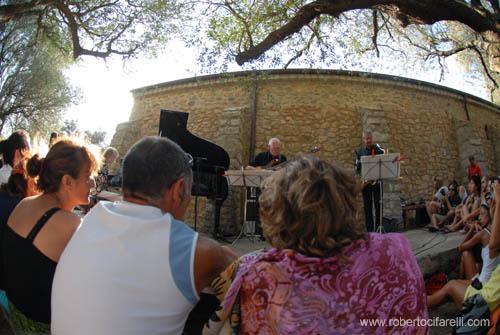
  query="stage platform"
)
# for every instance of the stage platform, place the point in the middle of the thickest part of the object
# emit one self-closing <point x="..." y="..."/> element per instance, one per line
<point x="434" y="251"/>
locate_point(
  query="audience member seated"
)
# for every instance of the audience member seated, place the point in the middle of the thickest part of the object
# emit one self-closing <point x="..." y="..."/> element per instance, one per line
<point x="109" y="156"/>
<point x="39" y="229"/>
<point x="446" y="212"/>
<point x="133" y="266"/>
<point x="490" y="290"/>
<point x="462" y="192"/>
<point x="19" y="186"/>
<point x="13" y="149"/>
<point x="477" y="235"/>
<point x="53" y="138"/>
<point x="470" y="210"/>
<point x="434" y="204"/>
<point x="324" y="272"/>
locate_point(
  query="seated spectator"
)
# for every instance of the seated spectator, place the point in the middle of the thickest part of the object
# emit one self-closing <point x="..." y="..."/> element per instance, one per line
<point x="13" y="149"/>
<point x="470" y="210"/>
<point x="490" y="290"/>
<point x="323" y="272"/>
<point x="462" y="192"/>
<point x="53" y="139"/>
<point x="39" y="229"/>
<point x="133" y="266"/>
<point x="446" y="212"/>
<point x="109" y="156"/>
<point x="117" y="179"/>
<point x="434" y="204"/>
<point x="477" y="235"/>
<point x="19" y="186"/>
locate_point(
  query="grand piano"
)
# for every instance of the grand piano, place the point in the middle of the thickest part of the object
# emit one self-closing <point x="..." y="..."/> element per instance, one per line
<point x="210" y="161"/>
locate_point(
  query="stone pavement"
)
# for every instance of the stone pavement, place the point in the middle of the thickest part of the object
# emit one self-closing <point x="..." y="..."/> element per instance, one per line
<point x="434" y="251"/>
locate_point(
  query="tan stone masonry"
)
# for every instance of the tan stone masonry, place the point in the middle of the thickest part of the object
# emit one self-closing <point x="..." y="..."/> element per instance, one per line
<point x="434" y="127"/>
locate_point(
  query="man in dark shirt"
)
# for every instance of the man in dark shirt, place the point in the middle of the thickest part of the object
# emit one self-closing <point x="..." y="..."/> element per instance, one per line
<point x="265" y="160"/>
<point x="271" y="157"/>
<point x="371" y="190"/>
<point x="446" y="212"/>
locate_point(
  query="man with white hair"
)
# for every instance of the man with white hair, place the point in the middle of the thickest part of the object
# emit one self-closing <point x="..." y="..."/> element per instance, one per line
<point x="271" y="157"/>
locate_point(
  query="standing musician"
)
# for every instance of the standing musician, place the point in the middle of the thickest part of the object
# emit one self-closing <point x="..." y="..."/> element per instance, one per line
<point x="271" y="157"/>
<point x="371" y="190"/>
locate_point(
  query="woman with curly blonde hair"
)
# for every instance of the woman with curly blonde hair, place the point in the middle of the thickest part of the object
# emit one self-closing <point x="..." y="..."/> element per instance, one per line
<point x="324" y="274"/>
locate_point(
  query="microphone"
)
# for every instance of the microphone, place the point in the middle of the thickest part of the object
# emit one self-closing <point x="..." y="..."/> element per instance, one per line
<point x="314" y="149"/>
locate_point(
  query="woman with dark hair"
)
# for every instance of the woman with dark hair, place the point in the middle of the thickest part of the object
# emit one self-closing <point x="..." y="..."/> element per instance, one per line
<point x="39" y="229"/>
<point x="324" y="274"/>
<point x="19" y="186"/>
<point x="13" y="149"/>
<point x="470" y="209"/>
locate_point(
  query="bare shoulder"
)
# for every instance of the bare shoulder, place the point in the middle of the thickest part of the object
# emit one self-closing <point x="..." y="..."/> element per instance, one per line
<point x="209" y="249"/>
<point x="70" y="220"/>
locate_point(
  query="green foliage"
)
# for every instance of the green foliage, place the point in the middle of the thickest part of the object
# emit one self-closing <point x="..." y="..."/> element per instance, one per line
<point x="96" y="137"/>
<point x="350" y="40"/>
<point x="33" y="89"/>
<point x="101" y="28"/>
<point x="70" y="127"/>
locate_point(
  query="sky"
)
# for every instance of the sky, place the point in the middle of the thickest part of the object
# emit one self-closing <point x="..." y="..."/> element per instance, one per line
<point x="105" y="85"/>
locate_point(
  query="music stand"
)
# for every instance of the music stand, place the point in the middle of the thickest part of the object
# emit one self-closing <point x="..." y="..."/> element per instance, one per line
<point x="252" y="178"/>
<point x="379" y="168"/>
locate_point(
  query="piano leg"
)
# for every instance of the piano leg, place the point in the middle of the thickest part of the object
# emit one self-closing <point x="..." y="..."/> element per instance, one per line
<point x="218" y="204"/>
<point x="217" y="234"/>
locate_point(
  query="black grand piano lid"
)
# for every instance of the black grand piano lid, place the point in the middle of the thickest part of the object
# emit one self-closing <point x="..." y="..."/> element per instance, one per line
<point x="206" y="154"/>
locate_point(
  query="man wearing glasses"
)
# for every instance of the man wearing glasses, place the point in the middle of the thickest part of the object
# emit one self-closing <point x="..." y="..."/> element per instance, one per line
<point x="134" y="267"/>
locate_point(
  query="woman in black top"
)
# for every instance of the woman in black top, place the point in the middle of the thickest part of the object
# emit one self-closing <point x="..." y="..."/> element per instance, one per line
<point x="39" y="229"/>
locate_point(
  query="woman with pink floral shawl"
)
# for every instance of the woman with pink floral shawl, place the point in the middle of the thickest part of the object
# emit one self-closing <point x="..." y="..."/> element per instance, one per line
<point x="324" y="274"/>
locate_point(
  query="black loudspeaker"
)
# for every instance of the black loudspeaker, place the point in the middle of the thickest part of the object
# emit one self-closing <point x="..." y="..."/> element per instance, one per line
<point x="421" y="217"/>
<point x="390" y="225"/>
<point x="252" y="210"/>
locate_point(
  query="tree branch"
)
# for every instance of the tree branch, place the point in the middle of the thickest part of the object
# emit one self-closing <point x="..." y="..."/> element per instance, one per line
<point x="375" y="32"/>
<point x="17" y="11"/>
<point x="406" y="11"/>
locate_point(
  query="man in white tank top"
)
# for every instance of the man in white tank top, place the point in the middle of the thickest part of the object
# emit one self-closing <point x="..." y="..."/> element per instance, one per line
<point x="133" y="266"/>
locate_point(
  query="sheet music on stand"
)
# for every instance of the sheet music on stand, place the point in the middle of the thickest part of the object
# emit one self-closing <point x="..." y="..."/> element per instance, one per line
<point x="253" y="179"/>
<point x="247" y="178"/>
<point x="380" y="168"/>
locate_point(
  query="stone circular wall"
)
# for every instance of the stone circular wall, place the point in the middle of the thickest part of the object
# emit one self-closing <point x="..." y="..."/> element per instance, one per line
<point x="436" y="128"/>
